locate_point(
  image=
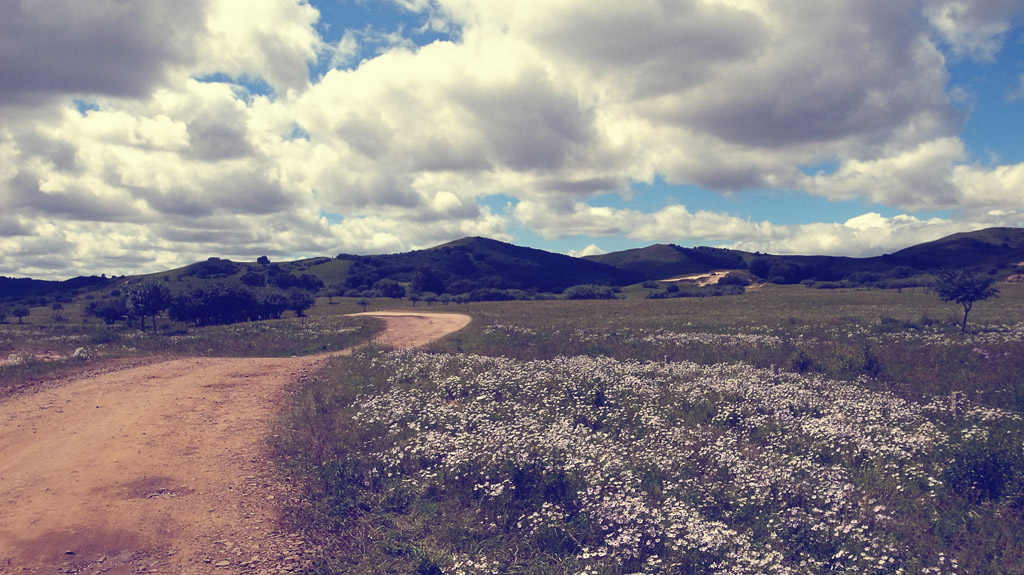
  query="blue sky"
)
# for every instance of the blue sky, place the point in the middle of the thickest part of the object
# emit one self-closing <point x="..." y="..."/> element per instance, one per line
<point x="140" y="136"/>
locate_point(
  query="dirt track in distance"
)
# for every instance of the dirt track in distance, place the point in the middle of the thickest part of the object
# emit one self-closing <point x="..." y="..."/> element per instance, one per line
<point x="160" y="468"/>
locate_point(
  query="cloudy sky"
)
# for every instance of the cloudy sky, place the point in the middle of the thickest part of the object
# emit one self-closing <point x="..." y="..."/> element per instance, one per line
<point x="137" y="136"/>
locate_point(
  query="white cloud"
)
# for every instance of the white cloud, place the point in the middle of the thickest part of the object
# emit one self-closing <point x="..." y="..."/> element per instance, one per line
<point x="550" y="102"/>
<point x="125" y="48"/>
<point x="984" y="187"/>
<point x="1018" y="92"/>
<point x="913" y="179"/>
<point x="273" y="40"/>
<point x="870" y="234"/>
<point x="561" y="219"/>
<point x="590" y="250"/>
<point x="974" y="28"/>
<point x="345" y="51"/>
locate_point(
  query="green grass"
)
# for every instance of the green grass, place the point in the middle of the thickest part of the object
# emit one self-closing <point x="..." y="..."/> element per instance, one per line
<point x="554" y="437"/>
<point x="43" y="347"/>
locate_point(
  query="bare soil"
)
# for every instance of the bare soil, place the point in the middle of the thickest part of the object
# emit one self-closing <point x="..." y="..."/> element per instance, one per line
<point x="161" y="467"/>
<point x="702" y="279"/>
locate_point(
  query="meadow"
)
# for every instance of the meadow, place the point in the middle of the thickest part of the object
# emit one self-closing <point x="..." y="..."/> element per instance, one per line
<point x="783" y="431"/>
<point x="787" y="430"/>
<point x="43" y="346"/>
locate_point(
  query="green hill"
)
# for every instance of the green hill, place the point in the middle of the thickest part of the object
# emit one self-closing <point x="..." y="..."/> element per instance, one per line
<point x="998" y="248"/>
<point x="661" y="261"/>
<point x="994" y="250"/>
<point x="473" y="263"/>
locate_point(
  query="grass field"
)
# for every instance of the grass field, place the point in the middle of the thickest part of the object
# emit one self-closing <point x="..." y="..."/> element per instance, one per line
<point x="787" y="430"/>
<point x="41" y="346"/>
<point x="784" y="431"/>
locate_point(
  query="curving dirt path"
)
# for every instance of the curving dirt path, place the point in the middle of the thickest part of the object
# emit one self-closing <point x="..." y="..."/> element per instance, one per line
<point x="160" y="468"/>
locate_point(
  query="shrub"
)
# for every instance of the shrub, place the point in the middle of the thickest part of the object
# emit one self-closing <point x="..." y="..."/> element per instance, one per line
<point x="109" y="311"/>
<point x="589" y="291"/>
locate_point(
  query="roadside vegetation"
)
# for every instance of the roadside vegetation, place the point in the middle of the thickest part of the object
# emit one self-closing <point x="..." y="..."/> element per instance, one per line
<point x="786" y="430"/>
<point x="42" y="344"/>
<point x="778" y="430"/>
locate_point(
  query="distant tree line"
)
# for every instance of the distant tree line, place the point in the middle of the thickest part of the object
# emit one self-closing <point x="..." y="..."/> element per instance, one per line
<point x="674" y="290"/>
<point x="821" y="275"/>
<point x="214" y="304"/>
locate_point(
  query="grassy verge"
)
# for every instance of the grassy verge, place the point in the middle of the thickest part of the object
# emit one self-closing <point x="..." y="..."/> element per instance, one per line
<point x="43" y="348"/>
<point x="553" y="437"/>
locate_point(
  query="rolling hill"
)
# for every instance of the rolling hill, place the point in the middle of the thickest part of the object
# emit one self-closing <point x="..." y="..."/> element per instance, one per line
<point x="998" y="249"/>
<point x="990" y="248"/>
<point x="472" y="263"/>
<point x="476" y="263"/>
<point x="662" y="261"/>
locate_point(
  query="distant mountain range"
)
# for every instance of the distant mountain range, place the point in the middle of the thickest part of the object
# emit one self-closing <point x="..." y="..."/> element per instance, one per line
<point x="472" y="264"/>
<point x="998" y="249"/>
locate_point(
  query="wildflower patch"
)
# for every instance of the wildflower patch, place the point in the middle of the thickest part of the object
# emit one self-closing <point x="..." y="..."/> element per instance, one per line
<point x="608" y="466"/>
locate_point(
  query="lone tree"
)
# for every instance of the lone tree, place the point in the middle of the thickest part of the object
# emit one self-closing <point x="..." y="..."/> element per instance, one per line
<point x="20" y="312"/>
<point x="964" y="287"/>
<point x="147" y="298"/>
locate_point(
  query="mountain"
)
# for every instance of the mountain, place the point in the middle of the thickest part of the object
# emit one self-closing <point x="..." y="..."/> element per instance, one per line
<point x="479" y="264"/>
<point x="989" y="248"/>
<point x="998" y="249"/>
<point x="661" y="261"/>
<point x="19" y="288"/>
<point x="471" y="263"/>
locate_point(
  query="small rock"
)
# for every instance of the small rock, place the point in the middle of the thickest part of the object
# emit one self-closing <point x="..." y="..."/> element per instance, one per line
<point x="222" y="564"/>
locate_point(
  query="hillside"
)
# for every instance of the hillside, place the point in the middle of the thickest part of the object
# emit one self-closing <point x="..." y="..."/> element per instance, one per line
<point x="473" y="263"/>
<point x="989" y="248"/>
<point x="485" y="266"/>
<point x="661" y="261"/>
<point x="20" y="288"/>
<point x="997" y="249"/>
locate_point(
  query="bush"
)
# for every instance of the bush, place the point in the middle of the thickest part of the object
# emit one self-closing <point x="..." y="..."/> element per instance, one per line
<point x="589" y="291"/>
<point x="734" y="279"/>
<point x="110" y="311"/>
<point x="707" y="291"/>
<point x="984" y="471"/>
<point x="389" y="288"/>
<point x="253" y="279"/>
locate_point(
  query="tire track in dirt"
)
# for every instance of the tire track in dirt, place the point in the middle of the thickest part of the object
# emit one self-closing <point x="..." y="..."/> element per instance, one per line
<point x="160" y="468"/>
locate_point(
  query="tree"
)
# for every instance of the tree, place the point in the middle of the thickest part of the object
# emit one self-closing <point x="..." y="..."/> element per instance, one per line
<point x="3" y="315"/>
<point x="110" y="311"/>
<point x="147" y="298"/>
<point x="272" y="305"/>
<point x="57" y="310"/>
<point x="427" y="279"/>
<point x="390" y="288"/>
<point x="363" y="303"/>
<point x="300" y="301"/>
<point x="964" y="287"/>
<point x="20" y="312"/>
<point x="263" y="260"/>
<point x="253" y="279"/>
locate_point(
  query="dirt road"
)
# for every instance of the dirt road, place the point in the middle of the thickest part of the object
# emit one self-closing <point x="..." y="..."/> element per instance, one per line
<point x="159" y="468"/>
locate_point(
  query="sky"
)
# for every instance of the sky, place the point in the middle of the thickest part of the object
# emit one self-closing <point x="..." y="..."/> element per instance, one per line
<point x="140" y="136"/>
